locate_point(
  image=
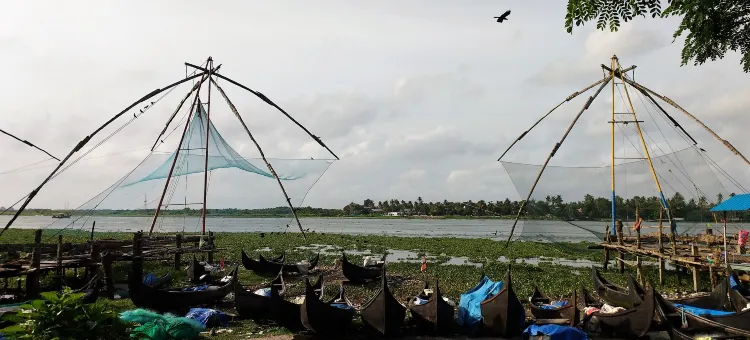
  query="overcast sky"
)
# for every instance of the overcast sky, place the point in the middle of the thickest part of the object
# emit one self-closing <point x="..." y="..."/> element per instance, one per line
<point x="418" y="98"/>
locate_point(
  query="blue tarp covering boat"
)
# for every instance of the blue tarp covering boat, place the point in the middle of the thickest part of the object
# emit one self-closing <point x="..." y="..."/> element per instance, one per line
<point x="469" y="309"/>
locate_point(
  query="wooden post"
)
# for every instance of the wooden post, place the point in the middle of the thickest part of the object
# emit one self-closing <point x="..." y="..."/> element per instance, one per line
<point x="712" y="276"/>
<point x="178" y="254"/>
<point x="696" y="269"/>
<point x="211" y="246"/>
<point x="661" y="273"/>
<point x="107" y="260"/>
<point x="95" y="260"/>
<point x="91" y="237"/>
<point x="606" y="258"/>
<point x="137" y="266"/>
<point x="59" y="257"/>
<point x="621" y="262"/>
<point x="639" y="271"/>
<point x="32" y="279"/>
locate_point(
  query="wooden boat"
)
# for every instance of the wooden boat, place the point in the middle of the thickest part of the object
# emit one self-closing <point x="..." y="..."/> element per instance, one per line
<point x="286" y="313"/>
<point x="614" y="295"/>
<point x="716" y="300"/>
<point x="91" y="290"/>
<point x="176" y="300"/>
<point x="324" y="318"/>
<point x="196" y="271"/>
<point x="502" y="314"/>
<point x="734" y="324"/>
<point x="434" y="316"/>
<point x="253" y="306"/>
<point x="689" y="330"/>
<point x="266" y="268"/>
<point x="358" y="274"/>
<point x="631" y="322"/>
<point x="569" y="311"/>
<point x="383" y="312"/>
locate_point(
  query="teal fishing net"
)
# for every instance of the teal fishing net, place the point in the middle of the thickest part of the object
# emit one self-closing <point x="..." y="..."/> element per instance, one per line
<point x="157" y="326"/>
<point x="192" y="155"/>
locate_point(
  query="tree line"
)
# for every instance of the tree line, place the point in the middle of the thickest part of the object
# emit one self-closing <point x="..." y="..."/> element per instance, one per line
<point x="552" y="207"/>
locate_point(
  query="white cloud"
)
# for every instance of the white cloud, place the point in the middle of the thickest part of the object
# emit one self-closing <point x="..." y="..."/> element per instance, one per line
<point x="414" y="106"/>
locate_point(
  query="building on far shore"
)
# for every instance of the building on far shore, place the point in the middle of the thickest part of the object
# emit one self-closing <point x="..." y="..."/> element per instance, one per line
<point x="394" y="213"/>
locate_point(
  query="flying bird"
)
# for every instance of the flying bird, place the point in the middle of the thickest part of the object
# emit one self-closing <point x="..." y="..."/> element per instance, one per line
<point x="503" y="17"/>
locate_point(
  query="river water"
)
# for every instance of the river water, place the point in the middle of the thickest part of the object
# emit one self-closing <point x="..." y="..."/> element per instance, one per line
<point x="468" y="228"/>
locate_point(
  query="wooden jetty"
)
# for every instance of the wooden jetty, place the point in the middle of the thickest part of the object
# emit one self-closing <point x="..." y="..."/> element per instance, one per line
<point x="94" y="256"/>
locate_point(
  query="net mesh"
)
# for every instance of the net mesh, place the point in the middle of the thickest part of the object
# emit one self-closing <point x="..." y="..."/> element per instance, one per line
<point x="237" y="186"/>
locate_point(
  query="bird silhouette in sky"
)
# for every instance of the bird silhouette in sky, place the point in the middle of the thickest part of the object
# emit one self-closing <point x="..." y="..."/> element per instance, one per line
<point x="503" y="17"/>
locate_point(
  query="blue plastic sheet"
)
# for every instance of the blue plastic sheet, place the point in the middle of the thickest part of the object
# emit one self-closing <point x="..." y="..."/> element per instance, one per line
<point x="701" y="311"/>
<point x="555" y="332"/>
<point x="469" y="308"/>
<point x="733" y="283"/>
<point x="150" y="279"/>
<point x="263" y="292"/>
<point x="554" y="305"/>
<point x="195" y="289"/>
<point x="342" y="306"/>
<point x="206" y="315"/>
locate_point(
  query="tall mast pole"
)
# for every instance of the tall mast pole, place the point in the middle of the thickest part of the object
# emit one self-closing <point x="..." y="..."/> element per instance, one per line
<point x="614" y="82"/>
<point x="210" y="66"/>
<point x="176" y="155"/>
<point x="645" y="147"/>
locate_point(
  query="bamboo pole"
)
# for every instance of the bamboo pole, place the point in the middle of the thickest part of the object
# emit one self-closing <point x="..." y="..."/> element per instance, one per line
<point x="210" y="65"/>
<point x="569" y="98"/>
<point x="552" y="154"/>
<point x="28" y="143"/>
<point x="613" y="204"/>
<point x="176" y="156"/>
<point x="269" y="102"/>
<point x="83" y="142"/>
<point x="675" y="105"/>
<point x="262" y="155"/>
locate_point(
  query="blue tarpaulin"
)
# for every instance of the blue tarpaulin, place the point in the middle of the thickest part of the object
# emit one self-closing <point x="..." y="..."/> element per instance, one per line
<point x="555" y="332"/>
<point x="735" y="203"/>
<point x="150" y="279"/>
<point x="469" y="309"/>
<point x="554" y="305"/>
<point x="701" y="311"/>
<point x="208" y="317"/>
<point x="195" y="289"/>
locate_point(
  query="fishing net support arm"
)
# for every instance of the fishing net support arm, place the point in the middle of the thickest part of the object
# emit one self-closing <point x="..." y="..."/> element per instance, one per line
<point x="83" y="142"/>
<point x="29" y="144"/>
<point x="262" y="155"/>
<point x="569" y="98"/>
<point x="675" y="105"/>
<point x="269" y="102"/>
<point x="552" y="154"/>
<point x="182" y="102"/>
<point x="176" y="156"/>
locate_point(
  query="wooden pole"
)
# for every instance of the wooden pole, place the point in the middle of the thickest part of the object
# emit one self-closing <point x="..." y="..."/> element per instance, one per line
<point x="32" y="279"/>
<point x="606" y="258"/>
<point x="552" y="154"/>
<point x="211" y="247"/>
<point x="621" y="262"/>
<point x="661" y="272"/>
<point x="726" y="251"/>
<point x="59" y="257"/>
<point x="262" y="155"/>
<point x="208" y="134"/>
<point x="269" y="102"/>
<point x="696" y="269"/>
<point x="137" y="266"/>
<point x="83" y="142"/>
<point x="107" y="260"/>
<point x="178" y="253"/>
<point x="176" y="156"/>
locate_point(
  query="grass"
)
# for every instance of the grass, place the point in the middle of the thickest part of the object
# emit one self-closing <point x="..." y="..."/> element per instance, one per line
<point x="555" y="280"/>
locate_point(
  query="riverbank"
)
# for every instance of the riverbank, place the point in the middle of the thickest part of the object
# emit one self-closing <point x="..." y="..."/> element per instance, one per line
<point x="556" y="268"/>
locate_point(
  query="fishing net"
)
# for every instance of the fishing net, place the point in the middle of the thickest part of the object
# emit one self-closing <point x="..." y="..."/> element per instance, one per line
<point x="238" y="183"/>
<point x="572" y="200"/>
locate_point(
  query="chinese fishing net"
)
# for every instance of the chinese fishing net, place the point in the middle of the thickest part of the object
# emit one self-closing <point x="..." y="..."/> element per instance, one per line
<point x="238" y="185"/>
<point x="572" y="200"/>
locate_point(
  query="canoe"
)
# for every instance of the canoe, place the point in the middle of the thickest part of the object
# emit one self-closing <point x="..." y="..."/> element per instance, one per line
<point x="177" y="300"/>
<point x="434" y="316"/>
<point x="286" y="313"/>
<point x="631" y="322"/>
<point x="195" y="271"/>
<point x="735" y="324"/>
<point x="614" y="295"/>
<point x="503" y="314"/>
<point x="266" y="268"/>
<point x="253" y="306"/>
<point x="569" y="311"/>
<point x="715" y="300"/>
<point x="328" y="319"/>
<point x="358" y="274"/>
<point x="383" y="312"/>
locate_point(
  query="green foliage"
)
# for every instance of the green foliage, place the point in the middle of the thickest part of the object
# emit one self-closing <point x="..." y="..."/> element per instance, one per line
<point x="64" y="316"/>
<point x="712" y="27"/>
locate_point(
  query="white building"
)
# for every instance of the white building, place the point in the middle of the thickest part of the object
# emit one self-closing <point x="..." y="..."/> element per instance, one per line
<point x="394" y="213"/>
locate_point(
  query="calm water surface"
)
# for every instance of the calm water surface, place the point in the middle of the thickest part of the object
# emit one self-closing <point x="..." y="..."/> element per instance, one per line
<point x="476" y="228"/>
